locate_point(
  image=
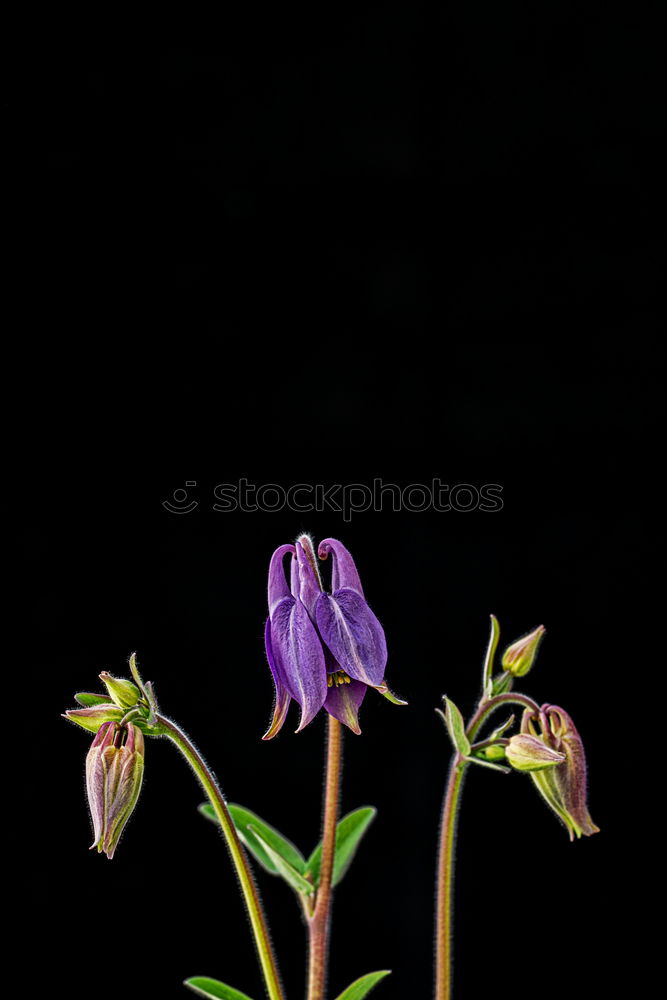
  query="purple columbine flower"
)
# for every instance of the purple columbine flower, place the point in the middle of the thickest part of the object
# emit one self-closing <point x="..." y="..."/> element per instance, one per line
<point x="324" y="650"/>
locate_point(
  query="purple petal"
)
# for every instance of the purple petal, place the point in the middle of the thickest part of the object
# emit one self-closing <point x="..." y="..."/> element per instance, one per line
<point x="296" y="645"/>
<point x="306" y="574"/>
<point x="343" y="701"/>
<point x="353" y="634"/>
<point x="343" y="571"/>
<point x="283" y="697"/>
<point x="278" y="587"/>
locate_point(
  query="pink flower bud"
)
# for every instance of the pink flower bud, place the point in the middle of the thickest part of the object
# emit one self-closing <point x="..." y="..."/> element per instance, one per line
<point x="564" y="786"/>
<point x="114" y="772"/>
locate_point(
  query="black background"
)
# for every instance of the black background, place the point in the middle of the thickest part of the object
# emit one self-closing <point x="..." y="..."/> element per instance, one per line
<point x="402" y="243"/>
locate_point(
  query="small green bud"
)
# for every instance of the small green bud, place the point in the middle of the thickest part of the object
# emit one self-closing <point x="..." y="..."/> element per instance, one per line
<point x="122" y="692"/>
<point x="92" y="718"/>
<point x="520" y="656"/>
<point x="529" y="753"/>
<point x="494" y="752"/>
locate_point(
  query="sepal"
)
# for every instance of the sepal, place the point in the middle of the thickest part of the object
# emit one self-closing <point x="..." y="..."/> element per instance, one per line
<point x="91" y="719"/>
<point x="528" y="753"/>
<point x="385" y="691"/>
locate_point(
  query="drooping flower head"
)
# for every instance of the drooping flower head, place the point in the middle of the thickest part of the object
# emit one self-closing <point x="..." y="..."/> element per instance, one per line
<point x="324" y="649"/>
<point x="114" y="773"/>
<point x="563" y="786"/>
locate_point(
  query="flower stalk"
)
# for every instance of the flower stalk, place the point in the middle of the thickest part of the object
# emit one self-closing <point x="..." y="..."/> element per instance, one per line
<point x="320" y="921"/>
<point x="448" y="824"/>
<point x="445" y="880"/>
<point x="250" y="895"/>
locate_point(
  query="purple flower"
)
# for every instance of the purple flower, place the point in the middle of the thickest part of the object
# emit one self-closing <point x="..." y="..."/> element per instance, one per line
<point x="324" y="650"/>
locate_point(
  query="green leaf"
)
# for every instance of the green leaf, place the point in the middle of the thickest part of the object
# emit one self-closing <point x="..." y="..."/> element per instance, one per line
<point x="361" y="987"/>
<point x="487" y="763"/>
<point x="243" y="820"/>
<point x="207" y="810"/>
<point x="205" y="987"/>
<point x="349" y="831"/>
<point x="455" y="727"/>
<point x="284" y="868"/>
<point x="88" y="700"/>
<point x="500" y="731"/>
<point x="501" y="683"/>
<point x="487" y="671"/>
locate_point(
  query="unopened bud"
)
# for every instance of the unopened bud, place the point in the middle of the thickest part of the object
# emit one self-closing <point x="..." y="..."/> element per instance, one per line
<point x="114" y="772"/>
<point x="520" y="656"/>
<point x="495" y="752"/>
<point x="562" y="787"/>
<point x="528" y="753"/>
<point x="122" y="692"/>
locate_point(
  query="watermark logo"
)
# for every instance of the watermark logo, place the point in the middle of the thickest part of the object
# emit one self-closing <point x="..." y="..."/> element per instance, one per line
<point x="343" y="498"/>
<point x="180" y="503"/>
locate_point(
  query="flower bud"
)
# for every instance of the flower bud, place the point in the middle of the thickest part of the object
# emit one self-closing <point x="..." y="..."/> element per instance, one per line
<point x="528" y="753"/>
<point x="114" y="772"/>
<point x="495" y="752"/>
<point x="122" y="692"/>
<point x="520" y="656"/>
<point x="563" y="787"/>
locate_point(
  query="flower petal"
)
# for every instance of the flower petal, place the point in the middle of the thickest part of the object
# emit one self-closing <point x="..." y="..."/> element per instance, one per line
<point x="296" y="645"/>
<point x="343" y="571"/>
<point x="96" y="777"/>
<point x="353" y="634"/>
<point x="283" y="696"/>
<point x="309" y="588"/>
<point x="570" y="780"/>
<point x="343" y="701"/>
<point x="278" y="586"/>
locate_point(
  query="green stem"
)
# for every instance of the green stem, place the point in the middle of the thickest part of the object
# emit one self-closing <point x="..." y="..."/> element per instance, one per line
<point x="239" y="860"/>
<point x="445" y="878"/>
<point x="319" y="924"/>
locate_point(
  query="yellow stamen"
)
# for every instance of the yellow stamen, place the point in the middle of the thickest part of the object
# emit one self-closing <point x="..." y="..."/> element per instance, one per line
<point x="337" y="678"/>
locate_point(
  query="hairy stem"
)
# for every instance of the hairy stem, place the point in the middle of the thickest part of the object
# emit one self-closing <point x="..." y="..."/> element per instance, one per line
<point x="239" y="859"/>
<point x="318" y="927"/>
<point x="445" y="878"/>
<point x="489" y="705"/>
<point x="445" y="881"/>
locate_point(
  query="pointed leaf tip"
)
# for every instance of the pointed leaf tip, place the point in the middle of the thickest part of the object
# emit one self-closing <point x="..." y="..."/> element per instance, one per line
<point x="88" y="700"/>
<point x="349" y="832"/>
<point x="249" y="825"/>
<point x="287" y="871"/>
<point x="361" y="987"/>
<point x="456" y="728"/>
<point x="213" y="988"/>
